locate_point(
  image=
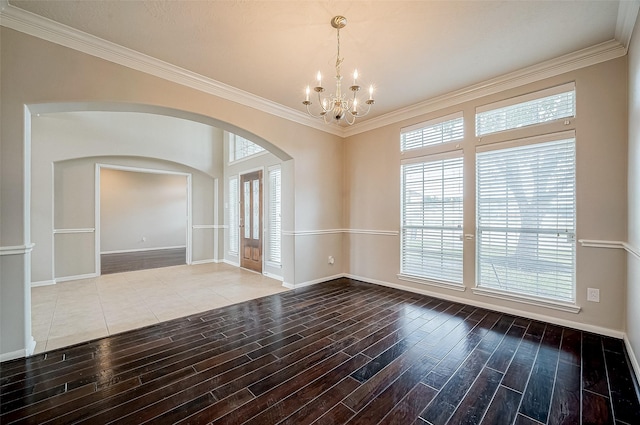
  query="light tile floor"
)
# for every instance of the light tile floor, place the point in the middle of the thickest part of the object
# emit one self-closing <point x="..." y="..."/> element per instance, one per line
<point x="71" y="312"/>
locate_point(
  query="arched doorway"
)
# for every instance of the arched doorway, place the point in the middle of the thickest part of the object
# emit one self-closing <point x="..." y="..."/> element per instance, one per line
<point x="100" y="146"/>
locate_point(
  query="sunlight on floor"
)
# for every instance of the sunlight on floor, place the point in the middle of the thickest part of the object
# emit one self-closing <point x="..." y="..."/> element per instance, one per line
<point x="71" y="312"/>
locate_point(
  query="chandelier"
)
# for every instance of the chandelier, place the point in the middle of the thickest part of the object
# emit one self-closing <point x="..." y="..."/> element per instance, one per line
<point x="339" y="106"/>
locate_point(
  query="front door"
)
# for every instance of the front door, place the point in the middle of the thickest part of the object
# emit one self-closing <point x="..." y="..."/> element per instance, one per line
<point x="251" y="221"/>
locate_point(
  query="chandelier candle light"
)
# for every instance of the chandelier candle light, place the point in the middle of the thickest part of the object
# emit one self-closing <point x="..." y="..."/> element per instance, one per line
<point x="339" y="106"/>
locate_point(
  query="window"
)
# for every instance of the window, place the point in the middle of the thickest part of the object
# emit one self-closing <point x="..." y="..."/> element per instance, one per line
<point x="275" y="219"/>
<point x="441" y="130"/>
<point x="526" y="217"/>
<point x="240" y="148"/>
<point x="234" y="223"/>
<point x="534" y="108"/>
<point x="431" y="234"/>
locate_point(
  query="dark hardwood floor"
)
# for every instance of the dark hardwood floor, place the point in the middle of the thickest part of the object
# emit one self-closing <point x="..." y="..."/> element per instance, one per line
<point x="141" y="260"/>
<point x="335" y="353"/>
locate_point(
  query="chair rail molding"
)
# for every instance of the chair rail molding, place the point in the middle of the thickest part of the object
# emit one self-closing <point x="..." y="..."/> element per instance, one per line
<point x="337" y="231"/>
<point x="592" y="243"/>
<point x="16" y="249"/>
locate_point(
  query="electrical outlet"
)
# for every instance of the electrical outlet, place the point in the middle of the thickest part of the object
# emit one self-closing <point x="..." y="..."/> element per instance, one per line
<point x="593" y="294"/>
<point x="331" y="259"/>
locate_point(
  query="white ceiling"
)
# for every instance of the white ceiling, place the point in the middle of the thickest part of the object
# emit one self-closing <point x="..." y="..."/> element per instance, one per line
<point x="411" y="51"/>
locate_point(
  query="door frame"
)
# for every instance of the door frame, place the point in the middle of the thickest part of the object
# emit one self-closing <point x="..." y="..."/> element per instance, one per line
<point x="240" y="174"/>
<point x="189" y="229"/>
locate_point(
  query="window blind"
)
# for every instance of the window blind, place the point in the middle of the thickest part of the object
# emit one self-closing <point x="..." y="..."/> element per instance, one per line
<point x="431" y="236"/>
<point x="535" y="108"/>
<point x="233" y="216"/>
<point x="440" y="130"/>
<point x="526" y="219"/>
<point x="275" y="218"/>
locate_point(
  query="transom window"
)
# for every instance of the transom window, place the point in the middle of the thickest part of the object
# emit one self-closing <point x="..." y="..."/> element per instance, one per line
<point x="240" y="148"/>
<point x="533" y="108"/>
<point x="437" y="131"/>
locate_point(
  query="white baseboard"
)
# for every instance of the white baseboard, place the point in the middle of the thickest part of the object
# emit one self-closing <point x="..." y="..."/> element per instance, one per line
<point x="501" y="309"/>
<point x="231" y="263"/>
<point x="18" y="354"/>
<point x="12" y="355"/>
<point x="76" y="277"/>
<point x="125" y="251"/>
<point x="312" y="282"/>
<point x="208" y="261"/>
<point x="43" y="283"/>
<point x="31" y="347"/>
<point x="632" y="356"/>
<point x="273" y="276"/>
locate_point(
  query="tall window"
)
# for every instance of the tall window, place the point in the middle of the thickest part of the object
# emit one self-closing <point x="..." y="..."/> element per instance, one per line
<point x="234" y="222"/>
<point x="525" y="196"/>
<point x="431" y="244"/>
<point x="526" y="218"/>
<point x="240" y="148"/>
<point x="275" y="217"/>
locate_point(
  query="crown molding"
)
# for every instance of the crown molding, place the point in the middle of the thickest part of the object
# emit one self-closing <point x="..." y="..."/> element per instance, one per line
<point x="582" y="58"/>
<point x="55" y="32"/>
<point x="46" y="29"/>
<point x="627" y="15"/>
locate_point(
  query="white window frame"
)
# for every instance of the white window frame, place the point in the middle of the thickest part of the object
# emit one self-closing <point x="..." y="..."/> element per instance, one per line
<point x="570" y="233"/>
<point x="425" y="278"/>
<point x="438" y="127"/>
<point x="274" y="217"/>
<point x="505" y="109"/>
<point x="234" y="216"/>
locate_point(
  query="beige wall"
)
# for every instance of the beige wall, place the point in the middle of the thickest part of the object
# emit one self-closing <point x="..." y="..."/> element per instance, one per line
<point x="372" y="188"/>
<point x="65" y="148"/>
<point x="35" y="71"/>
<point x="633" y="238"/>
<point x="141" y="210"/>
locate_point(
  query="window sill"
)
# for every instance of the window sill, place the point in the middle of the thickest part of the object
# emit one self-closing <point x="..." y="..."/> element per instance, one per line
<point x="432" y="282"/>
<point x="525" y="299"/>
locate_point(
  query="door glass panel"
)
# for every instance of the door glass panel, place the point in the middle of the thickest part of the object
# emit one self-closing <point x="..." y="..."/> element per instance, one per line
<point x="256" y="209"/>
<point x="247" y="210"/>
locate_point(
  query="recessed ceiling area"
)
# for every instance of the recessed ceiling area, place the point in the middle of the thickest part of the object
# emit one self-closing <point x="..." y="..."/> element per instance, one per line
<point x="410" y="51"/>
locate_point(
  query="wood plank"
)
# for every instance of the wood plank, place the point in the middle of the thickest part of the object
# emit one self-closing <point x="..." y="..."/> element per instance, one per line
<point x="473" y="406"/>
<point x="594" y="373"/>
<point x="626" y="406"/>
<point x="537" y="395"/>
<point x="409" y="408"/>
<point x="596" y="409"/>
<point x="565" y="405"/>
<point x="503" y="408"/>
<point x="387" y="399"/>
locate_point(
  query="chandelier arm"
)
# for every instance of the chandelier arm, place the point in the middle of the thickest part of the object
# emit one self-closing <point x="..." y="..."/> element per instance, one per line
<point x="353" y="118"/>
<point x="368" y="108"/>
<point x="314" y="115"/>
<point x="321" y="103"/>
